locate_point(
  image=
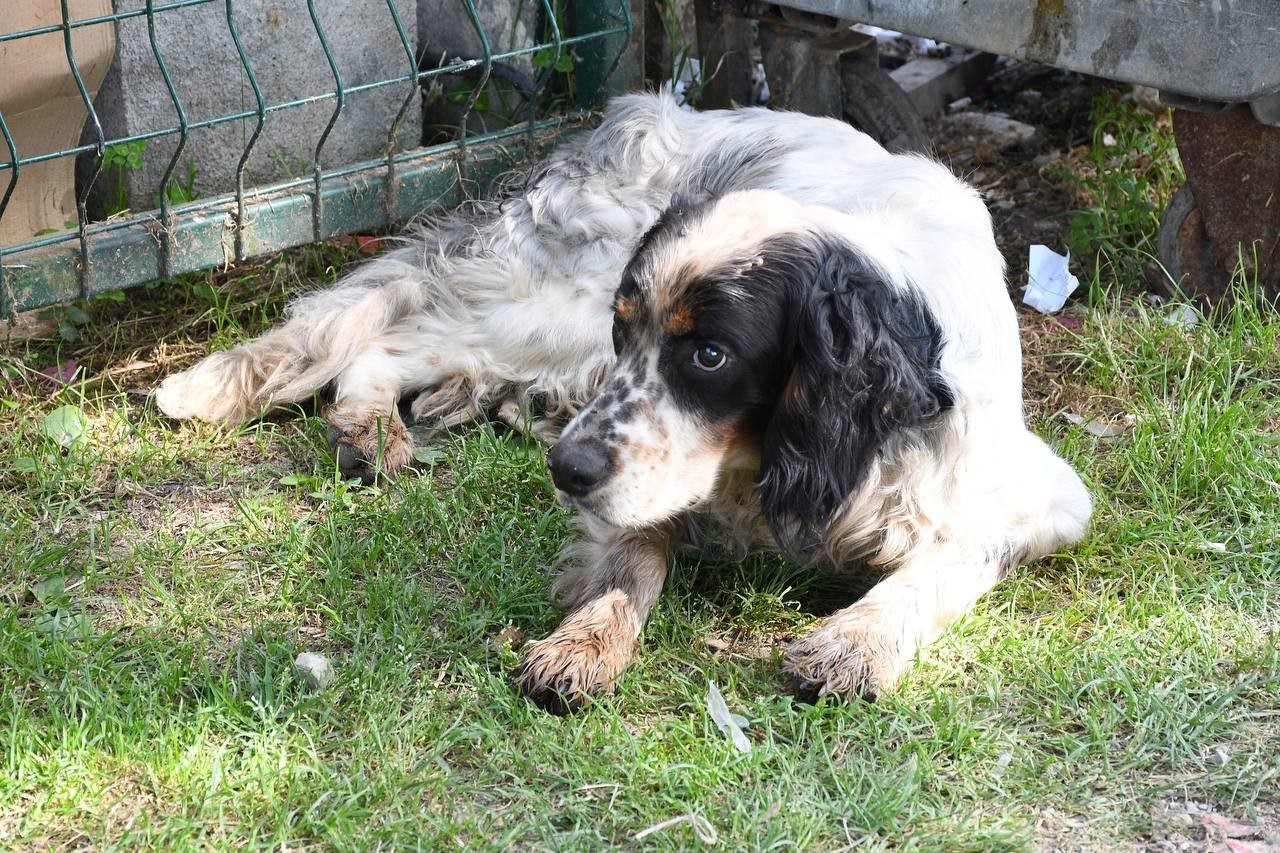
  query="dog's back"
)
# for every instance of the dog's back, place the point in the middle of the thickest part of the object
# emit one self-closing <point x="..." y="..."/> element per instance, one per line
<point x="503" y="300"/>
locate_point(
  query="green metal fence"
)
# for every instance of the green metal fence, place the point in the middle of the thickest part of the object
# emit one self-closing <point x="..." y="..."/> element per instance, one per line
<point x="97" y="256"/>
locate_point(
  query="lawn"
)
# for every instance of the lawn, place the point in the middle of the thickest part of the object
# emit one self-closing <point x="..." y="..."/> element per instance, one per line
<point x="163" y="576"/>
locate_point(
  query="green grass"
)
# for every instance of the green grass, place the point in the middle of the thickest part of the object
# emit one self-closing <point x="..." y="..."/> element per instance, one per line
<point x="161" y="577"/>
<point x="1126" y="176"/>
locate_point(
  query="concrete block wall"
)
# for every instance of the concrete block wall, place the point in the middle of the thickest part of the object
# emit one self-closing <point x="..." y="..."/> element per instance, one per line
<point x="289" y="63"/>
<point x="445" y="30"/>
<point x="447" y="33"/>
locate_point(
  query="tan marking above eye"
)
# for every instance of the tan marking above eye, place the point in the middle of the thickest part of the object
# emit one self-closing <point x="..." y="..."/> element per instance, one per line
<point x="679" y="322"/>
<point x="625" y="307"/>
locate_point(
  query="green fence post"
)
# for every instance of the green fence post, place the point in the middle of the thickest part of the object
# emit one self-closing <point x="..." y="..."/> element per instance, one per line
<point x="612" y="64"/>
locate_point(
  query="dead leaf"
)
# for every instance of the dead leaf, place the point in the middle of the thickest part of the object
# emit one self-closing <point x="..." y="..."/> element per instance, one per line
<point x="1099" y="427"/>
<point x="131" y="366"/>
<point x="1231" y="828"/>
<point x="509" y="636"/>
<point x="1235" y="845"/>
<point x="60" y="373"/>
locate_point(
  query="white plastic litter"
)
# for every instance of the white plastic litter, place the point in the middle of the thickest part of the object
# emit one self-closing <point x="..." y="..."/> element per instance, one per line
<point x="1049" y="282"/>
<point x="1183" y="317"/>
<point x="730" y="724"/>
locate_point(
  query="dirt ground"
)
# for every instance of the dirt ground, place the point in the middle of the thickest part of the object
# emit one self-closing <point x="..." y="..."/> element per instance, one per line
<point x="1026" y="183"/>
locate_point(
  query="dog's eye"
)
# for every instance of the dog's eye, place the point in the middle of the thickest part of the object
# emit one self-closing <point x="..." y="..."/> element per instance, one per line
<point x="709" y="357"/>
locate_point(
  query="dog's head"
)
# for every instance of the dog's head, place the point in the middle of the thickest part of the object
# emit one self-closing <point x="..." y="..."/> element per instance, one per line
<point x="750" y="333"/>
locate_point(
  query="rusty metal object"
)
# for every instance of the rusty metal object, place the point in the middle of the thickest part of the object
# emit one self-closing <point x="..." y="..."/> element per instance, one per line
<point x="1219" y="51"/>
<point x="1187" y="255"/>
<point x="1233" y="171"/>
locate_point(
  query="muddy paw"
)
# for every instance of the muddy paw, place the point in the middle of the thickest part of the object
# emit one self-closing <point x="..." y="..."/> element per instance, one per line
<point x="368" y="445"/>
<point x="841" y="659"/>
<point x="561" y="681"/>
<point x="582" y="659"/>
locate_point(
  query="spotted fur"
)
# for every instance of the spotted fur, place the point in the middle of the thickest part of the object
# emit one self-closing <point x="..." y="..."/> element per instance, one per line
<point x="765" y="328"/>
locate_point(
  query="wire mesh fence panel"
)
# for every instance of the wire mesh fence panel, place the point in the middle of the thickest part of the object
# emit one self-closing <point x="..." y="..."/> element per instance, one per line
<point x="140" y="139"/>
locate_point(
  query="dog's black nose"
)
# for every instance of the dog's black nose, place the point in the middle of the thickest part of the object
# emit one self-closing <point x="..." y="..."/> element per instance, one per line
<point x="577" y="467"/>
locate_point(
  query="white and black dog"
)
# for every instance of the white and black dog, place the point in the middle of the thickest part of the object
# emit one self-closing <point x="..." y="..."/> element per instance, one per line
<point x="764" y="323"/>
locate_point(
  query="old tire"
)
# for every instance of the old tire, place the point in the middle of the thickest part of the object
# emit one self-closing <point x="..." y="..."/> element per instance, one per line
<point x="877" y="106"/>
<point x="1185" y="251"/>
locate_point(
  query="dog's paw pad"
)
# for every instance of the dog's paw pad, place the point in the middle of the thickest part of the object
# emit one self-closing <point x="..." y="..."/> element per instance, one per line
<point x="562" y="676"/>
<point x="838" y="663"/>
<point x="380" y="446"/>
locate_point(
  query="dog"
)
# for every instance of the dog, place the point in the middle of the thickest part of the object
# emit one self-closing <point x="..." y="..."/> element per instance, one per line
<point x="760" y="326"/>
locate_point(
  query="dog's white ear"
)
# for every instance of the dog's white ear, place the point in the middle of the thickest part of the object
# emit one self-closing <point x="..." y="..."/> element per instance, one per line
<point x="861" y="365"/>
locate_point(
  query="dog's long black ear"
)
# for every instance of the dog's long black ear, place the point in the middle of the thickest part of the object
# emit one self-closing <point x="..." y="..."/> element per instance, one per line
<point x="862" y="359"/>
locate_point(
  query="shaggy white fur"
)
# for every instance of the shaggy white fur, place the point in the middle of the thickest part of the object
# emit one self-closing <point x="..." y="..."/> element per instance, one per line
<point x="511" y="303"/>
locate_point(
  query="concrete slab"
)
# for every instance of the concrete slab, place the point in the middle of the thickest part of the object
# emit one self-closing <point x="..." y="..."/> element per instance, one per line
<point x="931" y="83"/>
<point x="289" y="63"/>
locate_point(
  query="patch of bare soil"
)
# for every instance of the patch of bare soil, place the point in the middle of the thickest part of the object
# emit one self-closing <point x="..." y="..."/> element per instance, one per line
<point x="1024" y="176"/>
<point x="1188" y="825"/>
<point x="1177" y="826"/>
<point x="1051" y="371"/>
<point x="1019" y="138"/>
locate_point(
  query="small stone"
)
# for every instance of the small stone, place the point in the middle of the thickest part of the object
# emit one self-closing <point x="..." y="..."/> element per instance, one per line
<point x="991" y="130"/>
<point x="1217" y="757"/>
<point x="1148" y="99"/>
<point x="313" y="670"/>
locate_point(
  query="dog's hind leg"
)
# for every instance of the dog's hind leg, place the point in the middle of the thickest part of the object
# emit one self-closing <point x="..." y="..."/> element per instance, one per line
<point x="324" y="334"/>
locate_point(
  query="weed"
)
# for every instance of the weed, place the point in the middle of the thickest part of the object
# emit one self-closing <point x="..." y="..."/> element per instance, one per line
<point x="1133" y="171"/>
<point x="124" y="157"/>
<point x="684" y="67"/>
<point x="117" y="161"/>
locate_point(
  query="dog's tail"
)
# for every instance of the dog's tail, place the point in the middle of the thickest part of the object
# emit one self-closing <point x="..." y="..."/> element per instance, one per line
<point x="323" y="334"/>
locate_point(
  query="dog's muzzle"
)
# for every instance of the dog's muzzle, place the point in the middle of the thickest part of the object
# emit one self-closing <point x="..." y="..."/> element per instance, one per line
<point x="578" y="466"/>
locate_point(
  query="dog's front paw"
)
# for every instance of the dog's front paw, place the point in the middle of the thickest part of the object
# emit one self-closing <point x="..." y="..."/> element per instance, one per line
<point x="367" y="445"/>
<point x="582" y="658"/>
<point x="846" y="657"/>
